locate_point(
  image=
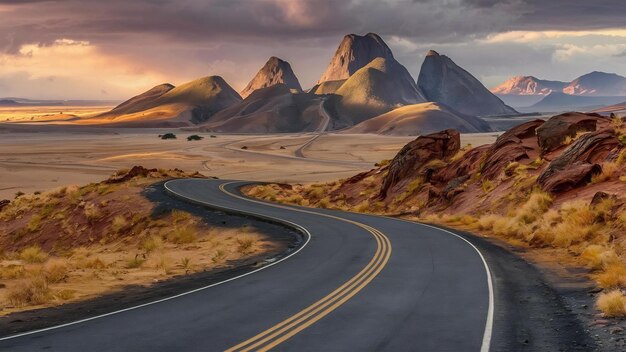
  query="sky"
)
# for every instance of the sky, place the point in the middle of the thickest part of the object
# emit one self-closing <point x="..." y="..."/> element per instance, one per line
<point x="113" y="49"/>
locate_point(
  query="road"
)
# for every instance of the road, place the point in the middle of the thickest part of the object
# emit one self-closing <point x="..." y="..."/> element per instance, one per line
<point x="300" y="151"/>
<point x="359" y="283"/>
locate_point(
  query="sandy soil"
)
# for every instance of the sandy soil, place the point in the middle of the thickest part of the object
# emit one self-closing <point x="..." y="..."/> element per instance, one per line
<point x="37" y="158"/>
<point x="48" y="113"/>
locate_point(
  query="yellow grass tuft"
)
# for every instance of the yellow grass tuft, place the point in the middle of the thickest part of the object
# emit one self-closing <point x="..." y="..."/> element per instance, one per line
<point x="118" y="223"/>
<point x="33" y="254"/>
<point x="613" y="276"/>
<point x="55" y="271"/>
<point x="183" y="234"/>
<point x="612" y="304"/>
<point x="609" y="171"/>
<point x="31" y="291"/>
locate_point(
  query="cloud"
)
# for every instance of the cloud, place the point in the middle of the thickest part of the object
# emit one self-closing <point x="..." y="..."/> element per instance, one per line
<point x="177" y="40"/>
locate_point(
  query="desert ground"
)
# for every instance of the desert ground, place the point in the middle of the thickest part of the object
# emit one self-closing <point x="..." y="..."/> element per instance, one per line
<point x="79" y="155"/>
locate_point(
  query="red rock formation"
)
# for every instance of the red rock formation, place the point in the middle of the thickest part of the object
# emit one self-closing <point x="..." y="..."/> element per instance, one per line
<point x="580" y="158"/>
<point x="417" y="153"/>
<point x="555" y="131"/>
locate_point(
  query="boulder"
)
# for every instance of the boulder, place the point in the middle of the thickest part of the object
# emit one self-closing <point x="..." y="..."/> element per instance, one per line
<point x="555" y="131"/>
<point x="588" y="149"/>
<point x="415" y="154"/>
<point x="4" y="203"/>
<point x="511" y="146"/>
<point x="576" y="175"/>
<point x="132" y="173"/>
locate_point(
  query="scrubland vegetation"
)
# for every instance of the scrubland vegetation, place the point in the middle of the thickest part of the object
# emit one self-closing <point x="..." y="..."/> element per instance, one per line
<point x="75" y="243"/>
<point x="582" y="227"/>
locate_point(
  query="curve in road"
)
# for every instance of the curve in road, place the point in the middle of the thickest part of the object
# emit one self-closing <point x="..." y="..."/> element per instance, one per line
<point x="345" y="290"/>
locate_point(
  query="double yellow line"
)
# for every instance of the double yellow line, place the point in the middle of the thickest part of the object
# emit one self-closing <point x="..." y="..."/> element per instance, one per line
<point x="284" y="330"/>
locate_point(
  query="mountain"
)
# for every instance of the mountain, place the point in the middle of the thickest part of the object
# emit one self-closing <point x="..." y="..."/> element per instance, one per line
<point x="443" y="81"/>
<point x="274" y="71"/>
<point x="557" y="101"/>
<point x="328" y="87"/>
<point x="597" y="84"/>
<point x="528" y="85"/>
<point x="353" y="53"/>
<point x="380" y="86"/>
<point x="274" y="109"/>
<point x="166" y="105"/>
<point x="420" y="119"/>
<point x="9" y="102"/>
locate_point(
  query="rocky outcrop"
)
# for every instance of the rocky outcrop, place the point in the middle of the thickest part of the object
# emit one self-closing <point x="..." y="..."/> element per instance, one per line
<point x="578" y="162"/>
<point x="528" y="85"/>
<point x="275" y="71"/>
<point x="353" y="53"/>
<point x="552" y="134"/>
<point x="135" y="171"/>
<point x="417" y="153"/>
<point x="513" y="145"/>
<point x="443" y="81"/>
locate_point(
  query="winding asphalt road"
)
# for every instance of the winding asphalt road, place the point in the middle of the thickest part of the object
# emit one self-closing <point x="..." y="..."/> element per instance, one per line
<point x="359" y="283"/>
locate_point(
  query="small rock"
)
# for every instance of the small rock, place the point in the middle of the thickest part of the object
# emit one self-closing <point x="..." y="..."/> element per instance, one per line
<point x="616" y="330"/>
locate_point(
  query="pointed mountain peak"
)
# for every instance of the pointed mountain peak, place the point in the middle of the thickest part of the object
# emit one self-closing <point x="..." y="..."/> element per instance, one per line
<point x="443" y="81"/>
<point x="432" y="53"/>
<point x="354" y="52"/>
<point x="275" y="71"/>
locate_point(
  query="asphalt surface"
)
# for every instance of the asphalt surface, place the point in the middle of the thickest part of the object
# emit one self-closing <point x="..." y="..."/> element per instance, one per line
<point x="360" y="283"/>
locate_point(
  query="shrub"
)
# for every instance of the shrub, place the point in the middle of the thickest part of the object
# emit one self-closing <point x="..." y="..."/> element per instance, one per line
<point x="179" y="215"/>
<point x="29" y="292"/>
<point x="613" y="276"/>
<point x="612" y="304"/>
<point x="92" y="212"/>
<point x="245" y="244"/>
<point x="33" y="254"/>
<point x="219" y="256"/>
<point x="34" y="223"/>
<point x="194" y="137"/>
<point x="598" y="257"/>
<point x="119" y="222"/>
<point x="55" y="271"/>
<point x="167" y="136"/>
<point x="152" y="243"/>
<point x="183" y="234"/>
<point x="18" y="194"/>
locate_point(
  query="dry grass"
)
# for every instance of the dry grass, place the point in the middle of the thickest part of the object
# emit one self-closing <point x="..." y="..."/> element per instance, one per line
<point x="612" y="276"/>
<point x="33" y="254"/>
<point x="612" y="304"/>
<point x="56" y="271"/>
<point x="152" y="243"/>
<point x="183" y="234"/>
<point x="118" y="223"/>
<point x="30" y="291"/>
<point x="609" y="172"/>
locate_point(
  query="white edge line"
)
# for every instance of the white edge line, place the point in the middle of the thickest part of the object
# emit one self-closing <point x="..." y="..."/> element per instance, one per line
<point x="490" y="310"/>
<point x="285" y="222"/>
<point x="488" y="332"/>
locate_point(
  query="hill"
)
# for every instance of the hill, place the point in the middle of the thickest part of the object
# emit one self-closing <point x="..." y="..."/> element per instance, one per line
<point x="165" y="105"/>
<point x="419" y="119"/>
<point x="274" y="109"/>
<point x="380" y="86"/>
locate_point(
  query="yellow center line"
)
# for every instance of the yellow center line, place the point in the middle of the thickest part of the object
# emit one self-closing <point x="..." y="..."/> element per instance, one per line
<point x="323" y="309"/>
<point x="324" y="306"/>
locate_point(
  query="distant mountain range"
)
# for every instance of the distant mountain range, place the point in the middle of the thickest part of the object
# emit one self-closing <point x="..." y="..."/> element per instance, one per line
<point x="591" y="84"/>
<point x="589" y="91"/>
<point x="363" y="81"/>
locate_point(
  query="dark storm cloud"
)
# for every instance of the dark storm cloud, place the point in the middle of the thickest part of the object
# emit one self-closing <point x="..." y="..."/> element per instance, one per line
<point x="183" y="39"/>
<point x="275" y="20"/>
